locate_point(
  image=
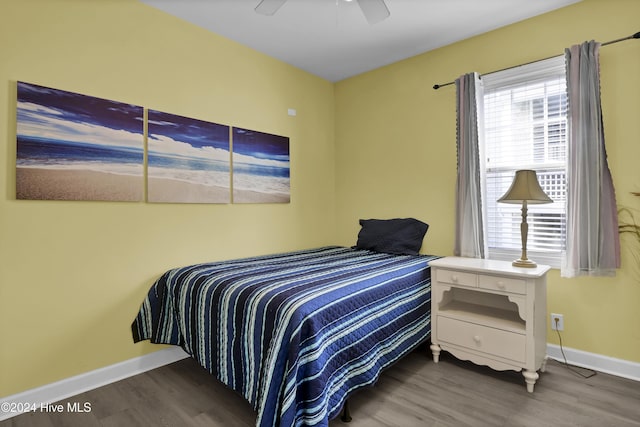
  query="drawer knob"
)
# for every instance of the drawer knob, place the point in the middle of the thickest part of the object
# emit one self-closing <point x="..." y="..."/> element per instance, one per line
<point x="454" y="279"/>
<point x="477" y="339"/>
<point x="500" y="284"/>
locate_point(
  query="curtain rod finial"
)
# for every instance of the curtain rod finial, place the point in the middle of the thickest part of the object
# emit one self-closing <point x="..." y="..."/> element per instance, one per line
<point x="636" y="35"/>
<point x="436" y="87"/>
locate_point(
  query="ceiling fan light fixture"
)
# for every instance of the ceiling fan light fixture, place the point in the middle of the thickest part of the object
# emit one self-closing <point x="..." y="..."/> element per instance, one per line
<point x="374" y="10"/>
<point x="269" y="7"/>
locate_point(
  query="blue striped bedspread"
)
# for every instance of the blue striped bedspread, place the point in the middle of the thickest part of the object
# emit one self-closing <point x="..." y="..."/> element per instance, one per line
<point x="295" y="333"/>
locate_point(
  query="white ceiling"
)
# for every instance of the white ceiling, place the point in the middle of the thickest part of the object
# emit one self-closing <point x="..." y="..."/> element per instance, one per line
<point x="332" y="39"/>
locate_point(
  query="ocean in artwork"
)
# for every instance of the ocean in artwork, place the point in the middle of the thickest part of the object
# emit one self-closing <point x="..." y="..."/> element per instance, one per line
<point x="77" y="147"/>
<point x="261" y="178"/>
<point x="190" y="170"/>
<point x="261" y="169"/>
<point x="54" y="154"/>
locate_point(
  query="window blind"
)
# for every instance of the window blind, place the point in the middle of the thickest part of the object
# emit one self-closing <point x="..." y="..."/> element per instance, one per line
<point x="525" y="127"/>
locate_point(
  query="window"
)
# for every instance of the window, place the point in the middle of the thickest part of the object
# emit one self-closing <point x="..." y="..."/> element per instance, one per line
<point x="525" y="127"/>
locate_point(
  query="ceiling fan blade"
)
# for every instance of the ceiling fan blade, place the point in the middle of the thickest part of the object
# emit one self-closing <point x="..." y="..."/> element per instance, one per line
<point x="374" y="10"/>
<point x="269" y="7"/>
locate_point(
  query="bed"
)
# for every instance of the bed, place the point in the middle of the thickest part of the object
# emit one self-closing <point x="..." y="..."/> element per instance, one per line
<point x="293" y="333"/>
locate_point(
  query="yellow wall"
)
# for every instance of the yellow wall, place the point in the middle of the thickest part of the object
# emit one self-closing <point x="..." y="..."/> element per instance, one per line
<point x="395" y="151"/>
<point x="72" y="274"/>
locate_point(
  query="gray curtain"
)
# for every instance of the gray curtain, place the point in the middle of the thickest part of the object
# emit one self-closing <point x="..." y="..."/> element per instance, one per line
<point x="593" y="243"/>
<point x="469" y="234"/>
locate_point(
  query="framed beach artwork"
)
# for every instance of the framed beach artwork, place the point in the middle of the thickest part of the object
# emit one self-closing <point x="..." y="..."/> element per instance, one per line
<point x="188" y="160"/>
<point x="77" y="147"/>
<point x="260" y="167"/>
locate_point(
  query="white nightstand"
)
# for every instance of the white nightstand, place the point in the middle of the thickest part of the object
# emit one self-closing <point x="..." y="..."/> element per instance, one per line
<point x="490" y="313"/>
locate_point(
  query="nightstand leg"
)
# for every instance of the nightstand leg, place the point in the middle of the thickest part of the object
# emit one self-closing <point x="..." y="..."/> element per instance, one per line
<point x="543" y="367"/>
<point x="435" y="348"/>
<point x="530" y="378"/>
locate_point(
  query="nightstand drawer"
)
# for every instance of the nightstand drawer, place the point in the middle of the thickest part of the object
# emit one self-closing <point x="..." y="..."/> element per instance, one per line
<point x="497" y="342"/>
<point x="506" y="284"/>
<point x="457" y="277"/>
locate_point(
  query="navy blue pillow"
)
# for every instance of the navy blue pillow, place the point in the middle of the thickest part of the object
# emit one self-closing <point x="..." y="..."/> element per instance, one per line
<point x="401" y="236"/>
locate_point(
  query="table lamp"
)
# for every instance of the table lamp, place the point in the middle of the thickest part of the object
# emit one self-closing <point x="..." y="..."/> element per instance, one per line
<point x="525" y="189"/>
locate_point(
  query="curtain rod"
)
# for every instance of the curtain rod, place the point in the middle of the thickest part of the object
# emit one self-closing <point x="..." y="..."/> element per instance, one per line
<point x="634" y="36"/>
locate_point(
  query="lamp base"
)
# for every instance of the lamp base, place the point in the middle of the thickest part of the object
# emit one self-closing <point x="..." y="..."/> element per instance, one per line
<point x="526" y="263"/>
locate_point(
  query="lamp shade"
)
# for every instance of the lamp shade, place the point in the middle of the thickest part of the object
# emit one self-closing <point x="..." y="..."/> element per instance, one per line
<point x="525" y="188"/>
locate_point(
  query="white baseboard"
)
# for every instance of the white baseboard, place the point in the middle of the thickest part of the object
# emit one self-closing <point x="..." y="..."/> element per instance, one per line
<point x="88" y="381"/>
<point x="597" y="362"/>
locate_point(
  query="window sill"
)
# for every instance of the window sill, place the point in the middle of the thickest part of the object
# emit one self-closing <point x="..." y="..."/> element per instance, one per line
<point x="552" y="259"/>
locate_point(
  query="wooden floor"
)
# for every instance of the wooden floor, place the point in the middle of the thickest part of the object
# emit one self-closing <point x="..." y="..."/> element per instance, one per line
<point x="414" y="392"/>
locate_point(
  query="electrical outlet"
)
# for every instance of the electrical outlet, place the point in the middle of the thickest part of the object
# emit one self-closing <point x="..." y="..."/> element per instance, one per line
<point x="557" y="322"/>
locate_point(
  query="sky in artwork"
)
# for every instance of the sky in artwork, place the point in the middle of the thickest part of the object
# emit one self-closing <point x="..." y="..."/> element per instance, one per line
<point x="56" y="115"/>
<point x="174" y="135"/>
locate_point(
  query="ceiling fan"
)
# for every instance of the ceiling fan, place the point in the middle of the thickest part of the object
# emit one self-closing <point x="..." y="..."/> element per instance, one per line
<point x="374" y="10"/>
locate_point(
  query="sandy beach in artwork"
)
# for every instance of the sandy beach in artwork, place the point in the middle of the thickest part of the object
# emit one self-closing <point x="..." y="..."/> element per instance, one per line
<point x="246" y="196"/>
<point x="75" y="184"/>
<point x="166" y="190"/>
